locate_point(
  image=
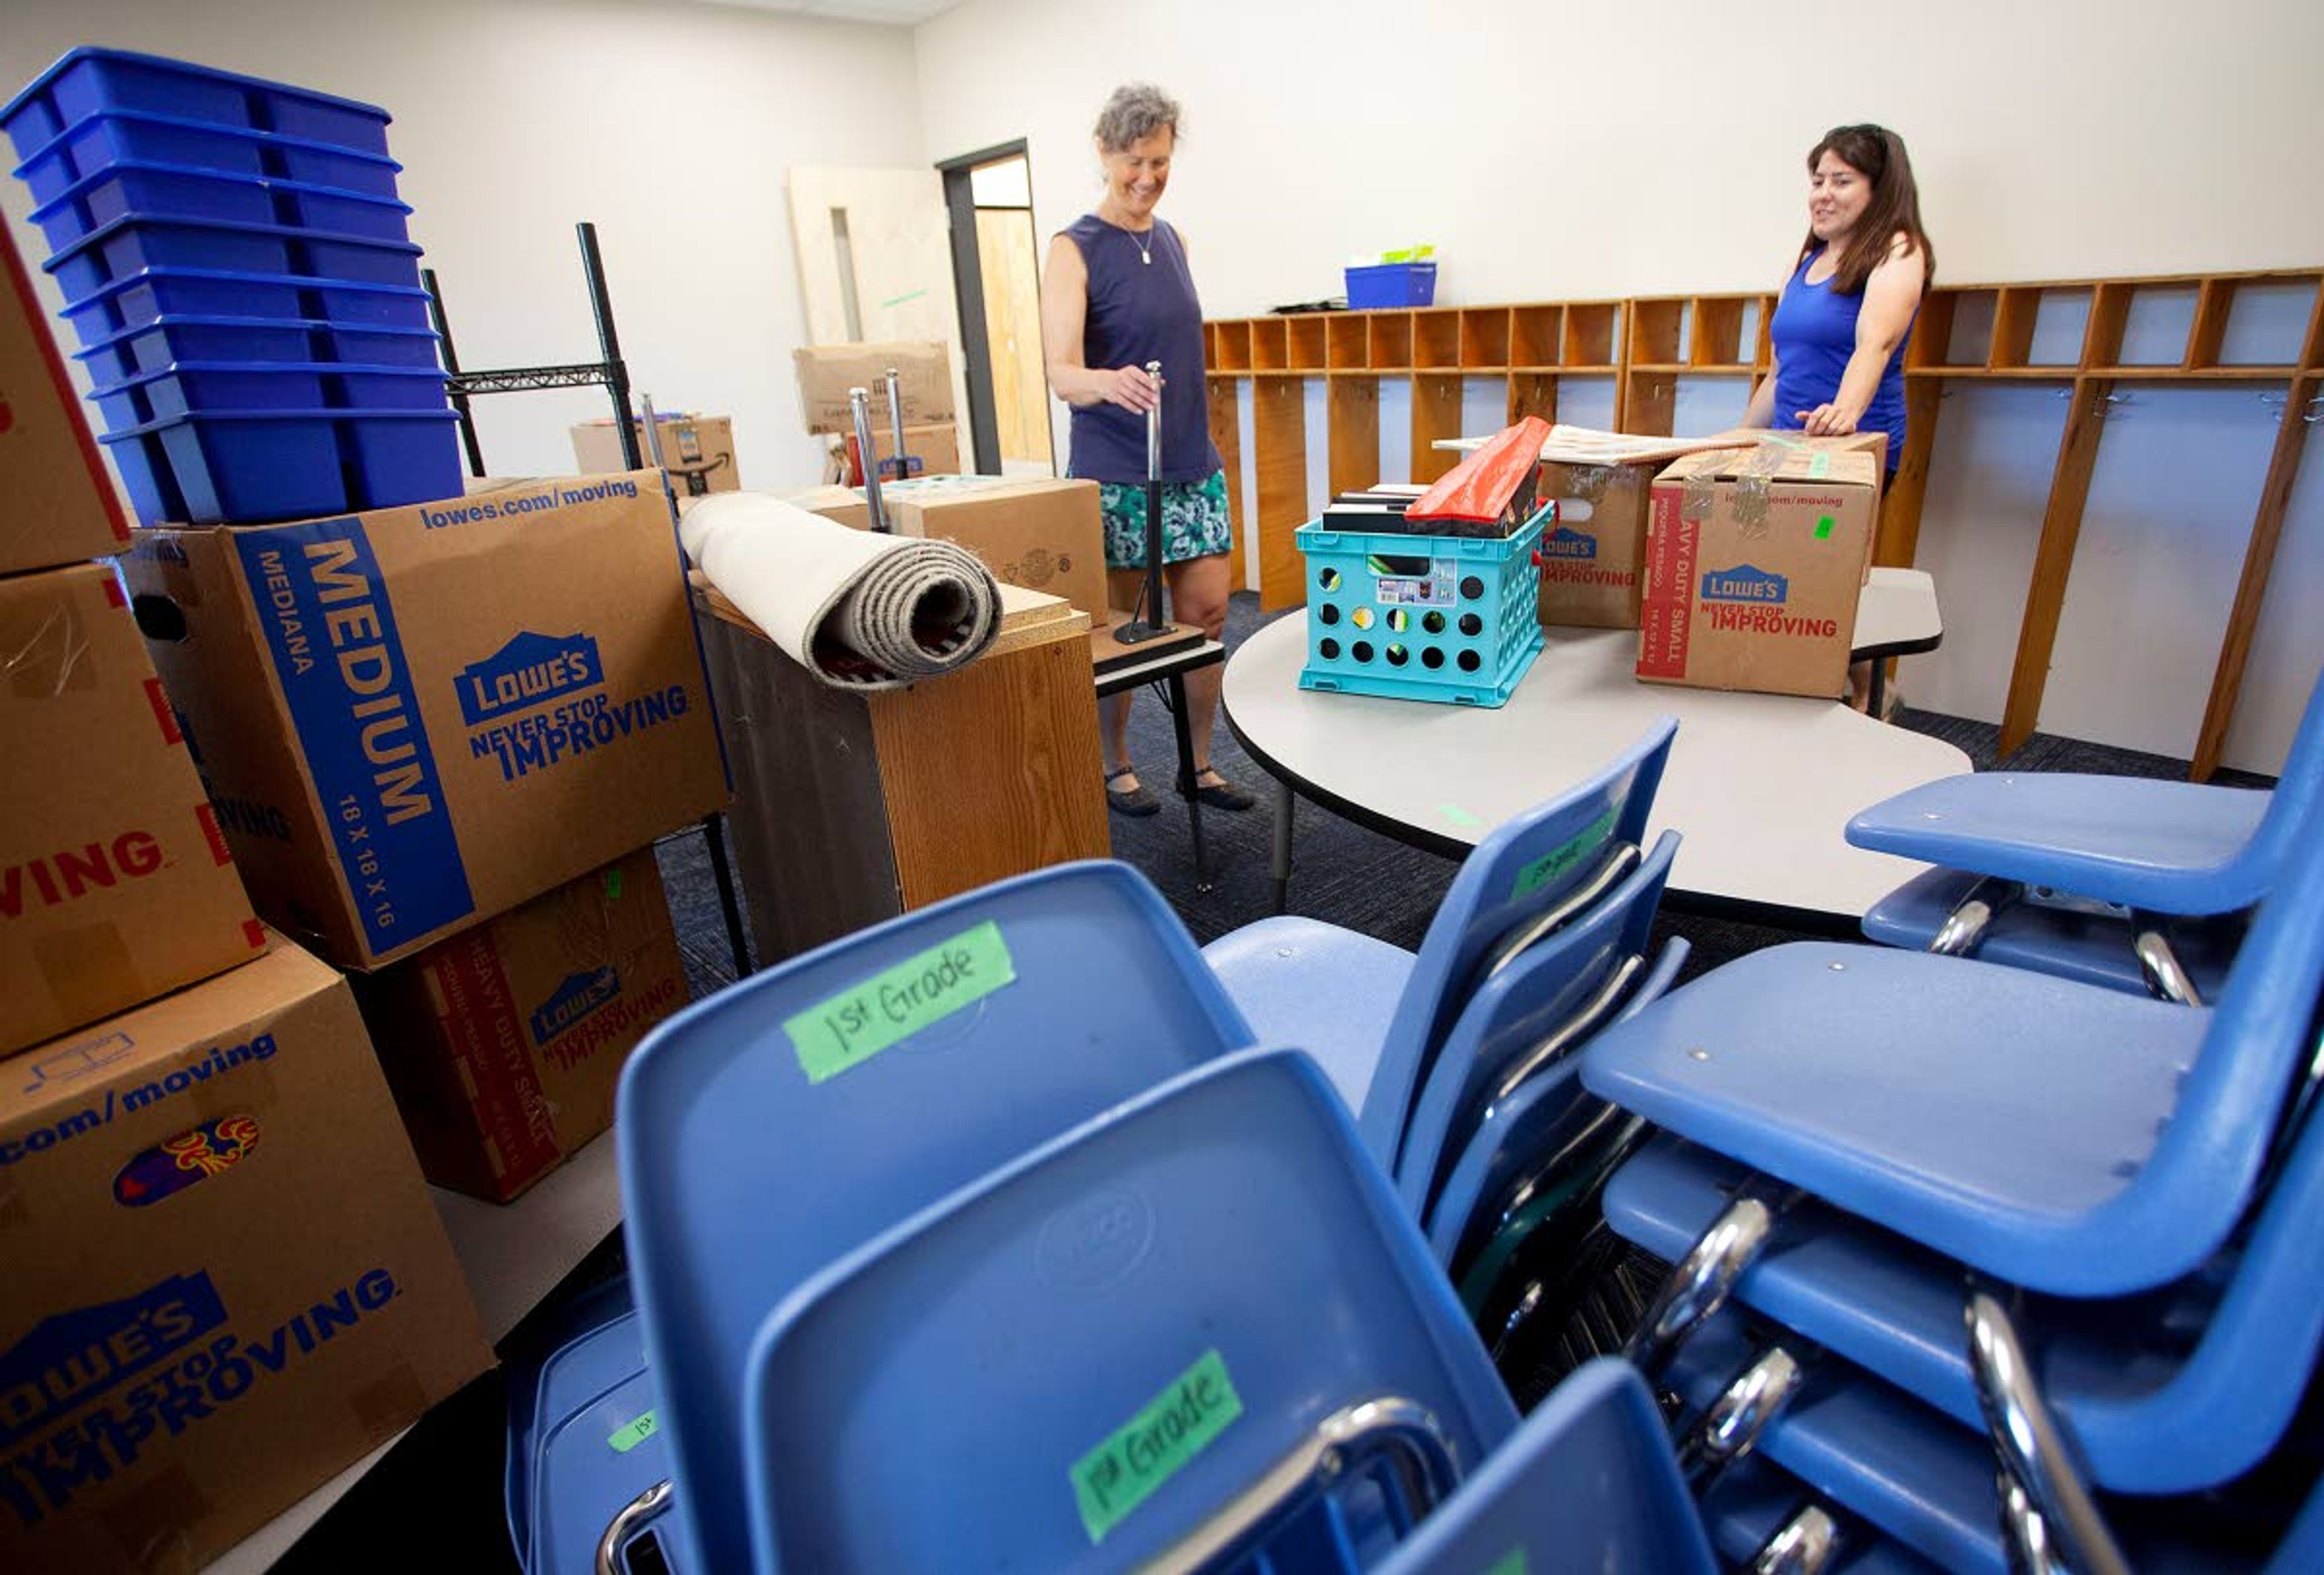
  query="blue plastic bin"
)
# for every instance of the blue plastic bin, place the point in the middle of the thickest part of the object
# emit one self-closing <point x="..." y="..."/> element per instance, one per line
<point x="210" y="388"/>
<point x="1392" y="284"/>
<point x="145" y="297"/>
<point x="1454" y="619"/>
<point x="106" y="140"/>
<point x="128" y="244"/>
<point x="170" y="191"/>
<point x="251" y="467"/>
<point x="157" y="344"/>
<point x="88" y="81"/>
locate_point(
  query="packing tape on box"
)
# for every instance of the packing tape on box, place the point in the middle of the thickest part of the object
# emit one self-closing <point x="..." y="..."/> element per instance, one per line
<point x="41" y="655"/>
<point x="858" y="610"/>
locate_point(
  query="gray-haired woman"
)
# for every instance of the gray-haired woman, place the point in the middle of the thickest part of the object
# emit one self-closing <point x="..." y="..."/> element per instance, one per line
<point x="1116" y="294"/>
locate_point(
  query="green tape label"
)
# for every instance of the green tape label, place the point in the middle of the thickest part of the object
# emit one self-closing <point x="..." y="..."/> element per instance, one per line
<point x="1559" y="859"/>
<point x="614" y="885"/>
<point x="1820" y="464"/>
<point x="1155" y="1445"/>
<point x="1458" y="815"/>
<point x="629" y="1438"/>
<point x="1823" y="528"/>
<point x="897" y="1002"/>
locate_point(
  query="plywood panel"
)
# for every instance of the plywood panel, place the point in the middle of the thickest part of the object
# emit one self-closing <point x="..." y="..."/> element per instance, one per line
<point x="1279" y="456"/>
<point x="1012" y="330"/>
<point x="1354" y="433"/>
<point x="993" y="770"/>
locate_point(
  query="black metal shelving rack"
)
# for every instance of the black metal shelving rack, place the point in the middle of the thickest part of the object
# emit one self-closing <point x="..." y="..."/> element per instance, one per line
<point x="612" y="374"/>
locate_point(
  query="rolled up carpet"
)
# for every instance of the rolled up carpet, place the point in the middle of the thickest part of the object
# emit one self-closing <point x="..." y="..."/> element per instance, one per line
<point x="858" y="610"/>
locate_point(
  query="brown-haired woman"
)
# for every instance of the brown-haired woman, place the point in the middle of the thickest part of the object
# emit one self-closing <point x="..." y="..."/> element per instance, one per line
<point x="1846" y="313"/>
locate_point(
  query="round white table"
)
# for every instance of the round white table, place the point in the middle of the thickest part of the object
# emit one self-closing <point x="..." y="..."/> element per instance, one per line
<point x="1759" y="786"/>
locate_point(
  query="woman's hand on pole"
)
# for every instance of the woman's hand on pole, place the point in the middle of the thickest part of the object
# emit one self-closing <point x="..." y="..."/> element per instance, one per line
<point x="1131" y="389"/>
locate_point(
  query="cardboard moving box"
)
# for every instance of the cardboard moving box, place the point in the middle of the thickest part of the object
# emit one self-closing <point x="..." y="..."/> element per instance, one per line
<point x="229" y="1281"/>
<point x="505" y="1043"/>
<point x="419" y="717"/>
<point x="826" y="373"/>
<point x="1754" y="564"/>
<point x="697" y="450"/>
<point x="1043" y="535"/>
<point x="57" y="500"/>
<point x="116" y="884"/>
<point x="1591" y="566"/>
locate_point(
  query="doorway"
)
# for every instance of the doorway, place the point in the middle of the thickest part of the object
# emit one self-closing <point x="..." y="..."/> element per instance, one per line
<point x="988" y="200"/>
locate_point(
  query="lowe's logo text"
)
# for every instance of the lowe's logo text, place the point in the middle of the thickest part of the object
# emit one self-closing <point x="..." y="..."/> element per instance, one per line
<point x="1567" y="542"/>
<point x="1745" y="582"/>
<point x="527" y="671"/>
<point x="580" y="995"/>
<point x="70" y="1357"/>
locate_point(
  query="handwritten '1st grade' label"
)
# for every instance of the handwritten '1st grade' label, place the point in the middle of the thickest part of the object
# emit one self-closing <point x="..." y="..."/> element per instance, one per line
<point x="852" y="1026"/>
<point x="1155" y="1445"/>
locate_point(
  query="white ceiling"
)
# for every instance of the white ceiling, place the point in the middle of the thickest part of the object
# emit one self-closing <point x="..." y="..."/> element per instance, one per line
<point x="897" y="13"/>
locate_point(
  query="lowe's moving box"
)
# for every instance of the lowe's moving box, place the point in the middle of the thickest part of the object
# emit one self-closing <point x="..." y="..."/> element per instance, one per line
<point x="226" y="1280"/>
<point x="114" y="882"/>
<point x="698" y="451"/>
<point x="1043" y="535"/>
<point x="828" y="372"/>
<point x="504" y="1044"/>
<point x="1754" y="562"/>
<point x="416" y="718"/>
<point x="57" y="500"/>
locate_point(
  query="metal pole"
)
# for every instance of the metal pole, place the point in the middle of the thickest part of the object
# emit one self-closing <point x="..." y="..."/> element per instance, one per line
<point x="858" y="405"/>
<point x="896" y="423"/>
<point x="1153" y="623"/>
<point x="452" y="367"/>
<point x="617" y="374"/>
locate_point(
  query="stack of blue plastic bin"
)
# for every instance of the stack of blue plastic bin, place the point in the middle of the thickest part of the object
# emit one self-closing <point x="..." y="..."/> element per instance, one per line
<point x="236" y="264"/>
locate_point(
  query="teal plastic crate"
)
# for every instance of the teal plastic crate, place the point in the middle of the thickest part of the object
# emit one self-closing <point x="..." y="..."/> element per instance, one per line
<point x="1451" y="619"/>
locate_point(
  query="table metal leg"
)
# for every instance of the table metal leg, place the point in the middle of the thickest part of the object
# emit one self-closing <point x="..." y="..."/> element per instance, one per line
<point x="1875" y="693"/>
<point x="1179" y="723"/>
<point x="1284" y="800"/>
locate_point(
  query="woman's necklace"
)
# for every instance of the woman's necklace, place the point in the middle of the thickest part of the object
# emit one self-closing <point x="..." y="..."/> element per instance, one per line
<point x="1145" y="248"/>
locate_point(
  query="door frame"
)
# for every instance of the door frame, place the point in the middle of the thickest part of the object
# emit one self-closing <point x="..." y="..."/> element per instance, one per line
<point x="968" y="290"/>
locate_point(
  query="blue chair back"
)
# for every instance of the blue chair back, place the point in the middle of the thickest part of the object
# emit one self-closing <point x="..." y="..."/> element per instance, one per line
<point x="1587" y="1485"/>
<point x="2299" y="793"/>
<point x="533" y="1371"/>
<point x="787" y="1120"/>
<point x="1521" y="872"/>
<point x="594" y="1461"/>
<point x="1501" y="1027"/>
<point x="1518" y="1140"/>
<point x="1091" y="1355"/>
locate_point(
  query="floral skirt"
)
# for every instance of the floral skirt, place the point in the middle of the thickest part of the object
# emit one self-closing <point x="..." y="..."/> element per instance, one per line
<point x="1194" y="520"/>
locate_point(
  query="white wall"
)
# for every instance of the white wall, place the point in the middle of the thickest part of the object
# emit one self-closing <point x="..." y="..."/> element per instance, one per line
<point x="1560" y="151"/>
<point x="670" y="127"/>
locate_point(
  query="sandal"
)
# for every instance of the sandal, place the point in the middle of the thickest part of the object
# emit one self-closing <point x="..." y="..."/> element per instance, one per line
<point x="1135" y="802"/>
<point x="1219" y="794"/>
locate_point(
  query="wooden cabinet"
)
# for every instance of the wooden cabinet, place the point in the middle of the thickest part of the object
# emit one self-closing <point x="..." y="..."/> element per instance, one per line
<point x="852" y="807"/>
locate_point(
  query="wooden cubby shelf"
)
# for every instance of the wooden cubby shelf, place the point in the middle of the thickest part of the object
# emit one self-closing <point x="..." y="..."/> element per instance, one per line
<point x="2263" y="327"/>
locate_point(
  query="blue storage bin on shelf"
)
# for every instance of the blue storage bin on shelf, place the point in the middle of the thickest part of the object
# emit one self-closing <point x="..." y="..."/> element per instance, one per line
<point x="1391" y="285"/>
<point x="106" y="140"/>
<point x="251" y="467"/>
<point x="128" y="245"/>
<point x="169" y="192"/>
<point x="1453" y="618"/>
<point x="207" y="388"/>
<point x="90" y="81"/>
<point x="150" y="294"/>
<point x="163" y="341"/>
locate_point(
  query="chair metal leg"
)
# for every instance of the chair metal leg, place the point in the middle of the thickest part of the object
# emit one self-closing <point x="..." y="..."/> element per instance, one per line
<point x="2165" y="975"/>
<point x="1805" y="1544"/>
<point x="625" y="1522"/>
<point x="2046" y="1512"/>
<point x="1701" y="1283"/>
<point x="1731" y="1426"/>
<point x="1972" y="915"/>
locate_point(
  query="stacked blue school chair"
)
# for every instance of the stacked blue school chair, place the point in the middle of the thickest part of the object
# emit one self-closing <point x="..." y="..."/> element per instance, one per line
<point x="1963" y="1248"/>
<point x="2117" y="881"/>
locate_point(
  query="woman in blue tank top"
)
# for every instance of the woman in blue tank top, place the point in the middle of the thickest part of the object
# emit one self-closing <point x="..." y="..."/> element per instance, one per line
<point x="1846" y="313"/>
<point x="1117" y="293"/>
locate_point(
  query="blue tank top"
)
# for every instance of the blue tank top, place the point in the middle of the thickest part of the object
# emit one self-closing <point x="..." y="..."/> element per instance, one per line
<point x="1141" y="312"/>
<point x="1814" y="335"/>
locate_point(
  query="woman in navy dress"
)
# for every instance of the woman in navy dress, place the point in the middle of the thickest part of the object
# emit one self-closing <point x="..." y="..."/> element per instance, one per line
<point x="1846" y="312"/>
<point x="1116" y="293"/>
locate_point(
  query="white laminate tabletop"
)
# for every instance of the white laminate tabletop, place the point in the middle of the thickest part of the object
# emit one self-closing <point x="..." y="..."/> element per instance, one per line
<point x="1896" y="611"/>
<point x="1759" y="786"/>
